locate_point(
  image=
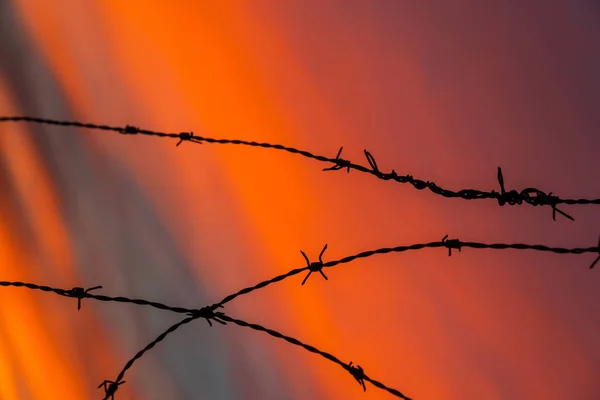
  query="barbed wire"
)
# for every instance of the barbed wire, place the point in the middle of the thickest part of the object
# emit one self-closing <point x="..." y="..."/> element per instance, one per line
<point x="356" y="371"/>
<point x="450" y="244"/>
<point x="209" y="313"/>
<point x="532" y="196"/>
<point x="80" y="293"/>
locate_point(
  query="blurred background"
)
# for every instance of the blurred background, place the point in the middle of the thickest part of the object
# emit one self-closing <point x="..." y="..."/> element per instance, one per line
<point x="444" y="91"/>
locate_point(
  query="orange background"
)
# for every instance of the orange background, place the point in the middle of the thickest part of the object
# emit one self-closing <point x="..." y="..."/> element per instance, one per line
<point x="444" y="91"/>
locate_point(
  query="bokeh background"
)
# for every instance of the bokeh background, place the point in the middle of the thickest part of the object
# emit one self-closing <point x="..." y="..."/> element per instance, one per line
<point x="444" y="90"/>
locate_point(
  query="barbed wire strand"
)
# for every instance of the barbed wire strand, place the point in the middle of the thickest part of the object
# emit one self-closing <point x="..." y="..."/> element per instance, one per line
<point x="450" y="244"/>
<point x="532" y="196"/>
<point x="356" y="371"/>
<point x="80" y="294"/>
<point x="110" y="387"/>
<point x="205" y="312"/>
<point x="209" y="312"/>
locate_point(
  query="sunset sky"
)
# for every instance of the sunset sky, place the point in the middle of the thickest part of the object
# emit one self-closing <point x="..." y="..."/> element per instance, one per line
<point x="446" y="91"/>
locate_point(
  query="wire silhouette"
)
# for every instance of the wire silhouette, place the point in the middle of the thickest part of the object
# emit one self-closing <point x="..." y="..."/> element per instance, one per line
<point x="110" y="388"/>
<point x="316" y="266"/>
<point x="86" y="294"/>
<point x="209" y="313"/>
<point x="445" y="242"/>
<point x="532" y="196"/>
<point x="356" y="371"/>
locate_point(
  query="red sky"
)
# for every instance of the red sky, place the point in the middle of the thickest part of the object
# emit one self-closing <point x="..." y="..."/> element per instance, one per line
<point x="444" y="91"/>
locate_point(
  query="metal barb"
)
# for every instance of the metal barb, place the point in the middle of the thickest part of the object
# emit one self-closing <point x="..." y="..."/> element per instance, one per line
<point x="130" y="130"/>
<point x="358" y="373"/>
<point x="79" y="293"/>
<point x="451" y="244"/>
<point x="371" y="161"/>
<point x="185" y="136"/>
<point x="208" y="313"/>
<point x="339" y="163"/>
<point x="512" y="197"/>
<point x="110" y="388"/>
<point x="316" y="266"/>
<point x="502" y="191"/>
<point x="597" y="258"/>
<point x="552" y="200"/>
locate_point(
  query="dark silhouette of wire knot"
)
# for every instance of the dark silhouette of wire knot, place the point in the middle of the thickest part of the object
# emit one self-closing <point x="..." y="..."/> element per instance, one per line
<point x="597" y="258"/>
<point x="80" y="293"/>
<point x="532" y="196"/>
<point x="316" y="266"/>
<point x="536" y="197"/>
<point x="358" y="373"/>
<point x="208" y="313"/>
<point x="110" y="388"/>
<point x="130" y="130"/>
<point x="512" y="197"/>
<point x="552" y="201"/>
<point x="186" y="136"/>
<point x="339" y="163"/>
<point x="451" y="244"/>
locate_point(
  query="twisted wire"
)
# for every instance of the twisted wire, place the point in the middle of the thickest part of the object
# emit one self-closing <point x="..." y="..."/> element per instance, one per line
<point x="209" y="312"/>
<point x="119" y="299"/>
<point x="531" y="196"/>
<point x="149" y="346"/>
<point x="449" y="244"/>
<point x="314" y="350"/>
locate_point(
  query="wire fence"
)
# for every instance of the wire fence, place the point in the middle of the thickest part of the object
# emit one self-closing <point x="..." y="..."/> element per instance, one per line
<point x="212" y="313"/>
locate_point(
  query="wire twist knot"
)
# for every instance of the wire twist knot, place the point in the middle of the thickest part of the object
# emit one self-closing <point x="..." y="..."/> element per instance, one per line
<point x="185" y="136"/>
<point x="130" y="130"/>
<point x="208" y="313"/>
<point x="358" y="373"/>
<point x="110" y="388"/>
<point x="316" y="266"/>
<point x="339" y="163"/>
<point x="531" y="196"/>
<point x="511" y="197"/>
<point x="451" y="244"/>
<point x="80" y="293"/>
<point x="536" y="197"/>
